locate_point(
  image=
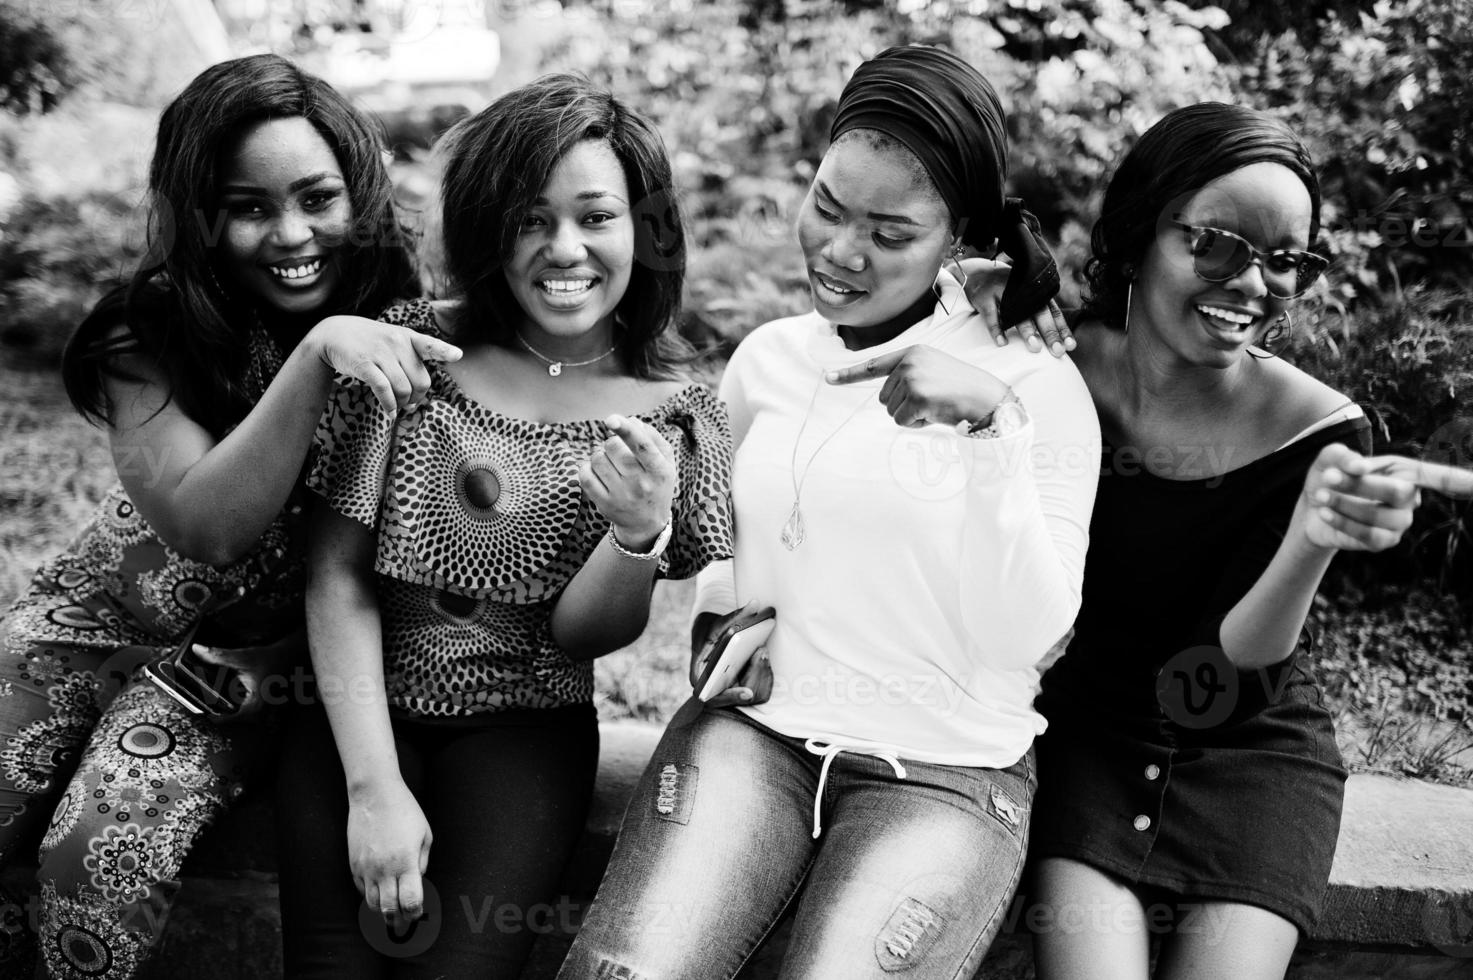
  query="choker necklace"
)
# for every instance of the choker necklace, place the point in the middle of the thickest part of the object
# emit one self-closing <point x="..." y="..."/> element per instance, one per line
<point x="555" y="368"/>
<point x="794" y="531"/>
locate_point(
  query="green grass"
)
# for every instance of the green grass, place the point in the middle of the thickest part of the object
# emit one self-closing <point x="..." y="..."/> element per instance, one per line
<point x="1396" y="675"/>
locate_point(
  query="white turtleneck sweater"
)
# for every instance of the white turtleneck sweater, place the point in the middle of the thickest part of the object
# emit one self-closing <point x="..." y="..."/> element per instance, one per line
<point x="937" y="569"/>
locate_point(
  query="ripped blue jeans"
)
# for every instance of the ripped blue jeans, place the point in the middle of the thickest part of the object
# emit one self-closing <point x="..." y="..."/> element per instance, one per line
<point x="910" y="877"/>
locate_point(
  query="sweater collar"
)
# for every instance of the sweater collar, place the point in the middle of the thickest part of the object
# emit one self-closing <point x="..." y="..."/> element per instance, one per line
<point x="952" y="309"/>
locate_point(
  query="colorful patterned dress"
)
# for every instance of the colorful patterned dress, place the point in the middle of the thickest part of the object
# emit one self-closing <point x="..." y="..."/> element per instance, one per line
<point x="150" y="776"/>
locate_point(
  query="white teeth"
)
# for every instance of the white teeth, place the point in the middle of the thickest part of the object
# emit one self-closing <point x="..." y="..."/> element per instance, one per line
<point x="297" y="271"/>
<point x="566" y="286"/>
<point x="833" y="287"/>
<point x="1240" y="319"/>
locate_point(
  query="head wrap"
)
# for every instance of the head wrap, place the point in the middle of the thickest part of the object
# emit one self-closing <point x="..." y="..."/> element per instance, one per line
<point x="949" y="116"/>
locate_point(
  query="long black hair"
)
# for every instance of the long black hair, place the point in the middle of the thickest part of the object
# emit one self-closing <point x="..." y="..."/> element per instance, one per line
<point x="179" y="316"/>
<point x="1189" y="148"/>
<point x="496" y="164"/>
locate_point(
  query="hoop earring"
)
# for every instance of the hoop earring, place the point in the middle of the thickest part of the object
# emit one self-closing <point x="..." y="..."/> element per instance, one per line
<point x="1282" y="332"/>
<point x="955" y="255"/>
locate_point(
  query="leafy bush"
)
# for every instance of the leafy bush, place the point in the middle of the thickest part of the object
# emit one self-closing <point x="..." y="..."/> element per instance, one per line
<point x="1382" y="98"/>
<point x="76" y="221"/>
<point x="1409" y="364"/>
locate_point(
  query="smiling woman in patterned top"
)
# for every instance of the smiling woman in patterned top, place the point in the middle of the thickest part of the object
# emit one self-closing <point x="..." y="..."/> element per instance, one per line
<point x="473" y="556"/>
<point x="209" y="372"/>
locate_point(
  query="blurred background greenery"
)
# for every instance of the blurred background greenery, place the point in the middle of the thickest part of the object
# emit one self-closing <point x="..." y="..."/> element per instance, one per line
<point x="742" y="90"/>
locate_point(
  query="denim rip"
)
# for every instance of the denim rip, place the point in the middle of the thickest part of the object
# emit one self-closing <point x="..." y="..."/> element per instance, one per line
<point x="908" y="935"/>
<point x="609" y="970"/>
<point x="1005" y="808"/>
<point x="676" y="791"/>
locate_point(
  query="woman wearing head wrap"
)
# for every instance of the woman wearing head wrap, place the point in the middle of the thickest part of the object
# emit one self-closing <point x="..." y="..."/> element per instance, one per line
<point x="912" y="499"/>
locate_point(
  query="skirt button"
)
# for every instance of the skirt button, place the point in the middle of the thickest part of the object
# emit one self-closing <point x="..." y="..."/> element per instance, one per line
<point x="1142" y="822"/>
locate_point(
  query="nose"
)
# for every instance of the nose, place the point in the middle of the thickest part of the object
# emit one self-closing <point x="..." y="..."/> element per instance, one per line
<point x="565" y="244"/>
<point x="1250" y="281"/>
<point x="844" y="249"/>
<point x="290" y="229"/>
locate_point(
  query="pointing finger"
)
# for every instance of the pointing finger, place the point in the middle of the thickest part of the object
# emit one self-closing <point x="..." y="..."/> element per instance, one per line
<point x="875" y="367"/>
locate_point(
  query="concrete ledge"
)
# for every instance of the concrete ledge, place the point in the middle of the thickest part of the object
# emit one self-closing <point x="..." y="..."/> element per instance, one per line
<point x="1400" y="901"/>
<point x="1403" y="872"/>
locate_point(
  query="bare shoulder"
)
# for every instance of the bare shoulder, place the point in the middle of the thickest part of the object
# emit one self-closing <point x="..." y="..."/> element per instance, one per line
<point x="651" y="394"/>
<point x="1293" y="399"/>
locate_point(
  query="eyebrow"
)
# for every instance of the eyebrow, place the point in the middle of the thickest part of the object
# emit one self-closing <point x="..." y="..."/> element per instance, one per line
<point x="291" y="188"/>
<point x="898" y="219"/>
<point x="588" y="196"/>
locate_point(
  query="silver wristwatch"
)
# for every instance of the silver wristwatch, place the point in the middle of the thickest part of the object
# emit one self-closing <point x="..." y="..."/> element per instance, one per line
<point x="1007" y="417"/>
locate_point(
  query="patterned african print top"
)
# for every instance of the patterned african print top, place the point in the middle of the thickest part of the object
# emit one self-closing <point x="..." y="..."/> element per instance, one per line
<point x="118" y="584"/>
<point x="481" y="524"/>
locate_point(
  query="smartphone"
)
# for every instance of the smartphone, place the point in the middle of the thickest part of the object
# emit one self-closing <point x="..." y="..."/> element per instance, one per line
<point x="200" y="687"/>
<point x="735" y="645"/>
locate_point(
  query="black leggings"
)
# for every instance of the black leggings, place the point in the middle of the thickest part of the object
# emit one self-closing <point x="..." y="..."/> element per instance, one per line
<point x="506" y="800"/>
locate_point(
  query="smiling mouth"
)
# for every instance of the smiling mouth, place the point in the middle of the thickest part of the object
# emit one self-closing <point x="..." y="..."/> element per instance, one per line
<point x="1225" y="319"/>
<point x="290" y="272"/>
<point x="834" y="290"/>
<point x="566" y="287"/>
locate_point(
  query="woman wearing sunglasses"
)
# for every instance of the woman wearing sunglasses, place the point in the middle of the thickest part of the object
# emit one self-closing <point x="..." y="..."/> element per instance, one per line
<point x="1190" y="785"/>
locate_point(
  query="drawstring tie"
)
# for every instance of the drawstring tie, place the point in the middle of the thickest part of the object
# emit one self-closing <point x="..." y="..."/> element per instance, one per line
<point x="828" y="752"/>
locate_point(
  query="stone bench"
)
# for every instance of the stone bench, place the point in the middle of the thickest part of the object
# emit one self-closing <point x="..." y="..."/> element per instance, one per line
<point x="1400" y="902"/>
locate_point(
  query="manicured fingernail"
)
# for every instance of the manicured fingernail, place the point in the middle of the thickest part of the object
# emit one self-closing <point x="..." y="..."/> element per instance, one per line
<point x="614" y="421"/>
<point x="1070" y="344"/>
<point x="831" y="376"/>
<point x="1326" y="514"/>
<point x="1057" y="349"/>
<point x="1334" y="477"/>
<point x="1002" y="340"/>
<point x="744" y="695"/>
<point x="1034" y="344"/>
<point x="1322" y="496"/>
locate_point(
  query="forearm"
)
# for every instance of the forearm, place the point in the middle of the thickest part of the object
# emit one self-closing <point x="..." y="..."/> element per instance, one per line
<point x="606" y="605"/>
<point x="1263" y="627"/>
<point x="345" y="633"/>
<point x="223" y="503"/>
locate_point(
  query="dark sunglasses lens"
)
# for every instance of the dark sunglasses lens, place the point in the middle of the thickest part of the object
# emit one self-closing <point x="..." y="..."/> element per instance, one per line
<point x="1311" y="267"/>
<point x="1218" y="255"/>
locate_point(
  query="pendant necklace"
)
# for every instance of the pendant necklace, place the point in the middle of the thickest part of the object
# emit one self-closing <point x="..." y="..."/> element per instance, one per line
<point x="555" y="368"/>
<point x="794" y="531"/>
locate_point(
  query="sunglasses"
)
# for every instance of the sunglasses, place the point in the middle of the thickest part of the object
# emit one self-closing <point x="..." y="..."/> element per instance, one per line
<point x="1218" y="256"/>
